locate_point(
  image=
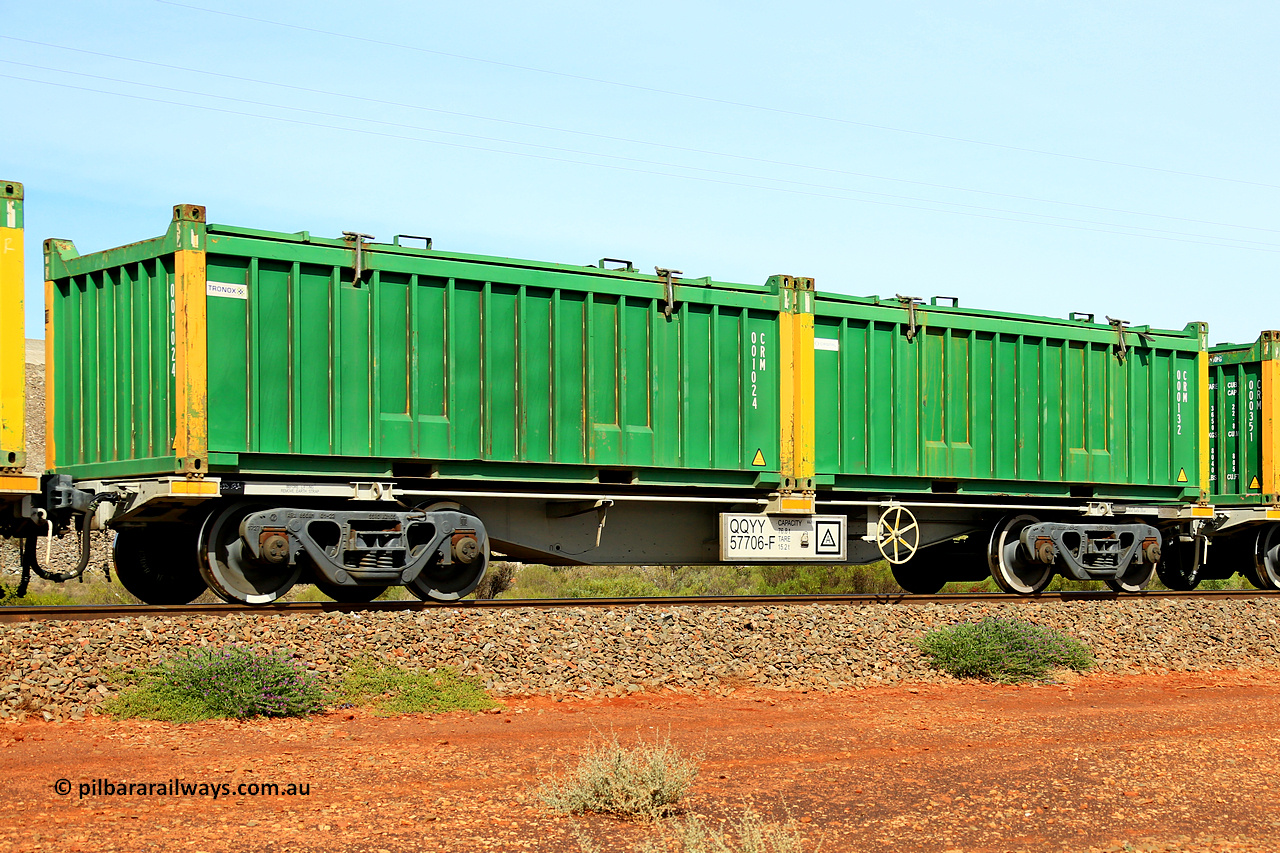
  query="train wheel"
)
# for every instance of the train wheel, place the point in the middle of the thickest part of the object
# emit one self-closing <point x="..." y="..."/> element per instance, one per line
<point x="159" y="565"/>
<point x="228" y="566"/>
<point x="1230" y="555"/>
<point x="351" y="594"/>
<point x="1180" y="566"/>
<point x="1134" y="578"/>
<point x="440" y="582"/>
<point x="1010" y="566"/>
<point x="1265" y="572"/>
<point x="919" y="575"/>
<point x="934" y="567"/>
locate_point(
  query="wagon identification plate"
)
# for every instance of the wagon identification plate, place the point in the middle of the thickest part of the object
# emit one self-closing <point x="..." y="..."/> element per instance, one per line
<point x="754" y="537"/>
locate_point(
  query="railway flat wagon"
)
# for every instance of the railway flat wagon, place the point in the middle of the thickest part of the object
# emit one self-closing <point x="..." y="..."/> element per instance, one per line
<point x="249" y="409"/>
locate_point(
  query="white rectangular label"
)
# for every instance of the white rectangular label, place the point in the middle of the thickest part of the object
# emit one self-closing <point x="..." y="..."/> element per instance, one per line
<point x="234" y="291"/>
<point x="817" y="538"/>
<point x="830" y="344"/>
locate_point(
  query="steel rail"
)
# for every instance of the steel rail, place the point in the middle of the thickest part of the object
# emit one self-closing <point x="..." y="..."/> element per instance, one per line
<point x="78" y="612"/>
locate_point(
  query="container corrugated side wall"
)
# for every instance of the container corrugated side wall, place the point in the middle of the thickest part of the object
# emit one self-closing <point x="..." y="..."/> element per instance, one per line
<point x="458" y="366"/>
<point x="987" y="403"/>
<point x="111" y="327"/>
<point x="456" y="361"/>
<point x="1244" y="417"/>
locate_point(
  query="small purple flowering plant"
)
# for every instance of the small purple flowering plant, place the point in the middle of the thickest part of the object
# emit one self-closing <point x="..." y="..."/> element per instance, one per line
<point x="232" y="682"/>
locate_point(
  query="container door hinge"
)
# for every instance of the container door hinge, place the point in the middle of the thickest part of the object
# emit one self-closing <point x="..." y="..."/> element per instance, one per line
<point x="910" y="303"/>
<point x="358" y="240"/>
<point x="668" y="277"/>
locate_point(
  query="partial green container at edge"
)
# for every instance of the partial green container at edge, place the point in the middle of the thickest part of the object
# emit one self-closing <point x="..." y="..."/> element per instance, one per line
<point x="428" y="363"/>
<point x="1242" y="408"/>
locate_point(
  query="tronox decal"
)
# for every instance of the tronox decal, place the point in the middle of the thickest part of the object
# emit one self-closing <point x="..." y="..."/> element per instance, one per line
<point x="233" y="291"/>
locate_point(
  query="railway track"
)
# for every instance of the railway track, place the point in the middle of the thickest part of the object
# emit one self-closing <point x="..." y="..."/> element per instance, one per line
<point x="92" y="612"/>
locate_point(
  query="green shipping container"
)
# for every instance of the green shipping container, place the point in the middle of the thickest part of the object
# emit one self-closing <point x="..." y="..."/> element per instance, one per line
<point x="236" y="351"/>
<point x="944" y="399"/>
<point x="1244" y="420"/>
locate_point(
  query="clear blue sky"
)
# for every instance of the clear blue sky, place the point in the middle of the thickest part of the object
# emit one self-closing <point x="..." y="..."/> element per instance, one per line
<point x="1116" y="158"/>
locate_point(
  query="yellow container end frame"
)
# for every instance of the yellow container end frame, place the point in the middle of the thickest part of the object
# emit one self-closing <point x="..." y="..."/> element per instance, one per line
<point x="13" y="456"/>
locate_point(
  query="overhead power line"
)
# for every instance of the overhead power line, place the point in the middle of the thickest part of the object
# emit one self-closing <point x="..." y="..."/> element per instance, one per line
<point x="636" y="160"/>
<point x="1133" y="232"/>
<point x="715" y="100"/>
<point x="629" y="140"/>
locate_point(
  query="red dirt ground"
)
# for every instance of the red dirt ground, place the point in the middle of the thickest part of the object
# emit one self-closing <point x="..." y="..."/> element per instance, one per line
<point x="1172" y="762"/>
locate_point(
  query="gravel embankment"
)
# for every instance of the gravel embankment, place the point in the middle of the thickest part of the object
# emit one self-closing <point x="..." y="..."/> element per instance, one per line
<point x="35" y="418"/>
<point x="64" y="669"/>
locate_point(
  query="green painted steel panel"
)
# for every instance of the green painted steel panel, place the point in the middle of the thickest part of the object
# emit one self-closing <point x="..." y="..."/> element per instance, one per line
<point x="113" y="392"/>
<point x="1237" y="420"/>
<point x="430" y="366"/>
<point x="498" y="367"/>
<point x="990" y="403"/>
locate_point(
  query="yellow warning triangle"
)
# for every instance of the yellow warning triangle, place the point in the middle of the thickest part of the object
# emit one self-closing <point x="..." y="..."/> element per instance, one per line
<point x="1255" y="484"/>
<point x="759" y="460"/>
<point x="1182" y="475"/>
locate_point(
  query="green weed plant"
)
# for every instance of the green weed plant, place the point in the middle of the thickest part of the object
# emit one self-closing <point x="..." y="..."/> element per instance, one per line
<point x="233" y="682"/>
<point x="391" y="690"/>
<point x="1008" y="651"/>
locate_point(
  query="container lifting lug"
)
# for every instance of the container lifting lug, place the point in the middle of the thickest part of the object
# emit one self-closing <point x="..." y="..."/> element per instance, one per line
<point x="358" y="240"/>
<point x="910" y="303"/>
<point x="668" y="276"/>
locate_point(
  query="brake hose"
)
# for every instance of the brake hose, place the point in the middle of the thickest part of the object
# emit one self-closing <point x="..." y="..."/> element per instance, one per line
<point x="30" y="563"/>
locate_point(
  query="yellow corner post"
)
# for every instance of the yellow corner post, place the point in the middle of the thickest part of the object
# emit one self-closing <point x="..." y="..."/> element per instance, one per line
<point x="13" y="417"/>
<point x="1206" y="445"/>
<point x="191" y="359"/>
<point x="1270" y="416"/>
<point x="50" y="397"/>
<point x="796" y="385"/>
<point x="805" y="405"/>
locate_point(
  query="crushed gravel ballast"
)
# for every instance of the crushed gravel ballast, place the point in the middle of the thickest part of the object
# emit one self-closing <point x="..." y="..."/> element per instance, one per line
<point x="65" y="669"/>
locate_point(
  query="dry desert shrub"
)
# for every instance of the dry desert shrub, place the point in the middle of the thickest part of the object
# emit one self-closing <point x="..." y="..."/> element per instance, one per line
<point x="641" y="782"/>
<point x="750" y="833"/>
